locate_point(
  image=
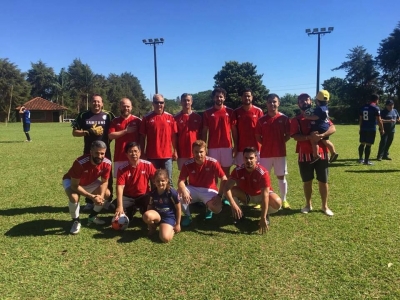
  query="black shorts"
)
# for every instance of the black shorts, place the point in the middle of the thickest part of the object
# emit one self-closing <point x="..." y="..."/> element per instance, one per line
<point x="320" y="167"/>
<point x="136" y="203"/>
<point x="367" y="137"/>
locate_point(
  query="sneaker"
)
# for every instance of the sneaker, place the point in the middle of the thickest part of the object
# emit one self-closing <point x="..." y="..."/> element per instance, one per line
<point x="225" y="202"/>
<point x="285" y="205"/>
<point x="88" y="207"/>
<point x="386" y="158"/>
<point x="76" y="227"/>
<point x="315" y="159"/>
<point x="360" y="161"/>
<point x="328" y="212"/>
<point x="367" y="163"/>
<point x="306" y="209"/>
<point x="95" y="220"/>
<point x="209" y="214"/>
<point x="379" y="158"/>
<point x="258" y="206"/>
<point x="333" y="158"/>
<point x="186" y="221"/>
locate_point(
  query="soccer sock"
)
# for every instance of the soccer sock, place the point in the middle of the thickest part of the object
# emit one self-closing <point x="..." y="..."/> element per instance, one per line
<point x="185" y="209"/>
<point x="73" y="210"/>
<point x="27" y="136"/>
<point x="361" y="150"/>
<point x="283" y="188"/>
<point x="95" y="211"/>
<point x="367" y="152"/>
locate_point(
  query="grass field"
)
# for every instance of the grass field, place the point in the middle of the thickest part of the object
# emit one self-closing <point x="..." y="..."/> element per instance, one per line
<point x="353" y="255"/>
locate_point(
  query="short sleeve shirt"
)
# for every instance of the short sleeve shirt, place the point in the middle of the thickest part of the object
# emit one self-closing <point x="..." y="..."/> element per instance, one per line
<point x="251" y="182"/>
<point x="389" y="115"/>
<point x="368" y="114"/>
<point x="246" y="122"/>
<point x="165" y="203"/>
<point x="189" y="130"/>
<point x="219" y="123"/>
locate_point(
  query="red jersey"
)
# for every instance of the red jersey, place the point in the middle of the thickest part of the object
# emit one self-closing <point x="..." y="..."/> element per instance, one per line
<point x="246" y="121"/>
<point x="119" y="124"/>
<point x="189" y="130"/>
<point x="136" y="179"/>
<point x="159" y="130"/>
<point x="202" y="175"/>
<point x="83" y="169"/>
<point x="300" y="125"/>
<point x="273" y="131"/>
<point x="219" y="123"/>
<point x="251" y="183"/>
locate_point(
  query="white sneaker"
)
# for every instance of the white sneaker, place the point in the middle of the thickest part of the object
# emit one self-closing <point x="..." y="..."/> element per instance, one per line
<point x="328" y="212"/>
<point x="306" y="209"/>
<point x="95" y="220"/>
<point x="76" y="227"/>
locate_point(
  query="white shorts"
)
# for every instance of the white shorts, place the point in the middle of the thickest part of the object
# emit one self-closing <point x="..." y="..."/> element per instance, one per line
<point x="180" y="162"/>
<point x="200" y="194"/>
<point x="117" y="164"/>
<point x="258" y="199"/>
<point x="222" y="155"/>
<point x="239" y="158"/>
<point x="88" y="188"/>
<point x="278" y="163"/>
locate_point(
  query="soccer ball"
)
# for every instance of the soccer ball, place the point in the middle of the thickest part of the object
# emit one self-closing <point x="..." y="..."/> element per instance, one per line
<point x="120" y="223"/>
<point x="309" y="111"/>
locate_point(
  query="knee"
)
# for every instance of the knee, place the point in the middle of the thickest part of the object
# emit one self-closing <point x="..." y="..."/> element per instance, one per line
<point x="215" y="206"/>
<point x="165" y="239"/>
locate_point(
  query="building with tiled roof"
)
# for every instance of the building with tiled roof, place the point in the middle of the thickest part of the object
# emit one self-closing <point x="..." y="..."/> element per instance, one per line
<point x="43" y="110"/>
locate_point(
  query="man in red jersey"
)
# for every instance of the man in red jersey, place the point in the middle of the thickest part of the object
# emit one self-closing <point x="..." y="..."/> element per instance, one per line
<point x="250" y="183"/>
<point x="219" y="124"/>
<point x="246" y="117"/>
<point x="300" y="130"/>
<point x="189" y="126"/>
<point x="158" y="129"/>
<point x="272" y="132"/>
<point x="133" y="182"/>
<point x="201" y="171"/>
<point x="123" y="130"/>
<point x="82" y="180"/>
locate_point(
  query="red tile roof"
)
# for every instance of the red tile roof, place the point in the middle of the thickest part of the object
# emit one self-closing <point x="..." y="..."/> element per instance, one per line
<point x="43" y="104"/>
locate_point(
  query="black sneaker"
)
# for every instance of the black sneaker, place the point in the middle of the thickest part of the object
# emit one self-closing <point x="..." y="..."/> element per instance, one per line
<point x="386" y="158"/>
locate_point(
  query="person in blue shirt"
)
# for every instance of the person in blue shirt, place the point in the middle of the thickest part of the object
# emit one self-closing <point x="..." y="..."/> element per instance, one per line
<point x="26" y="122"/>
<point x="389" y="117"/>
<point x="369" y="116"/>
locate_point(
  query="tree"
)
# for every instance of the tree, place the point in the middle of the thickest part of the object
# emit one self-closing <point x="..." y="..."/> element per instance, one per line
<point x="42" y="79"/>
<point x="337" y="88"/>
<point x="200" y="100"/>
<point x="288" y="99"/>
<point x="235" y="77"/>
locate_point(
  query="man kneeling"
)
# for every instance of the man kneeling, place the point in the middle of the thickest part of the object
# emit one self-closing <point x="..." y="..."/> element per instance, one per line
<point x="253" y="185"/>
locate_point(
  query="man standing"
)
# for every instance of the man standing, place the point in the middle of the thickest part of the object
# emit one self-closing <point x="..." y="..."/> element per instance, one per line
<point x="253" y="185"/>
<point x="158" y="136"/>
<point x="201" y="171"/>
<point x="369" y="117"/>
<point x="123" y="130"/>
<point x="26" y="122"/>
<point x="82" y="180"/>
<point x="272" y="132"/>
<point x="389" y="117"/>
<point x="189" y="125"/>
<point x="246" y="117"/>
<point x="300" y="131"/>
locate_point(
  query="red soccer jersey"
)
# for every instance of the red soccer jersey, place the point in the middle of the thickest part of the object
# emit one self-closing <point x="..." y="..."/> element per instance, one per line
<point x="202" y="175"/>
<point x="219" y="123"/>
<point x="246" y="121"/>
<point x="251" y="183"/>
<point x="87" y="172"/>
<point x="300" y="125"/>
<point x="136" y="179"/>
<point x="119" y="124"/>
<point x="189" y="130"/>
<point x="273" y="131"/>
<point x="159" y="130"/>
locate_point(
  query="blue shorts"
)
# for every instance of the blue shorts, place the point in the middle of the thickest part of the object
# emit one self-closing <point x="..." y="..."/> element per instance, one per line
<point x="27" y="127"/>
<point x="168" y="218"/>
<point x="367" y="137"/>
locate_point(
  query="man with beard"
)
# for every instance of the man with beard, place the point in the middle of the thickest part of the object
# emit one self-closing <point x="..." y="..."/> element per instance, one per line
<point x="253" y="185"/>
<point x="123" y="130"/>
<point x="82" y="180"/>
<point x="272" y="132"/>
<point x="300" y="131"/>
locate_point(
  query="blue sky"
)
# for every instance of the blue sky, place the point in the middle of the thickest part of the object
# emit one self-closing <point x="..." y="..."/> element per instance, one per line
<point x="200" y="36"/>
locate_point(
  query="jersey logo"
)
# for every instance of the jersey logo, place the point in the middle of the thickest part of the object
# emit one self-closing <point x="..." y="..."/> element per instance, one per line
<point x="193" y="172"/>
<point x="242" y="177"/>
<point x="143" y="172"/>
<point x="104" y="117"/>
<point x="86" y="171"/>
<point x="168" y="121"/>
<point x="181" y="121"/>
<point x="207" y="169"/>
<point x="212" y="115"/>
<point x="152" y="121"/>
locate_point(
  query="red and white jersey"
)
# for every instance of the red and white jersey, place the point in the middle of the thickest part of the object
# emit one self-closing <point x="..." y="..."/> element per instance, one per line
<point x="119" y="124"/>
<point x="136" y="179"/>
<point x="83" y="169"/>
<point x="202" y="175"/>
<point x="246" y="121"/>
<point x="219" y="123"/>
<point x="159" y="130"/>
<point x="251" y="182"/>
<point x="189" y="130"/>
<point x="274" y="131"/>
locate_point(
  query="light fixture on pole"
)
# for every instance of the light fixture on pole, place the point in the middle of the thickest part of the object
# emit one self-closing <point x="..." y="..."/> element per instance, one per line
<point x="318" y="32"/>
<point x="154" y="42"/>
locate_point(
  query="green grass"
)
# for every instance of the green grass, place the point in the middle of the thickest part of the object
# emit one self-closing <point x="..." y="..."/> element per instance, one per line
<point x="301" y="257"/>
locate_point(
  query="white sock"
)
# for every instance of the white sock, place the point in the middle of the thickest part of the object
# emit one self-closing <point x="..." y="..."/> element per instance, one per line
<point x="97" y="208"/>
<point x="73" y="209"/>
<point x="283" y="188"/>
<point x="185" y="209"/>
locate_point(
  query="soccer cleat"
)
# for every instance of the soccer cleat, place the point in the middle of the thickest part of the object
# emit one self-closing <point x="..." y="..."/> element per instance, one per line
<point x="76" y="227"/>
<point x="95" y="220"/>
<point x="225" y="202"/>
<point x="258" y="206"/>
<point x="186" y="221"/>
<point x="367" y="163"/>
<point x="285" y="205"/>
<point x="360" y="161"/>
<point x="333" y="158"/>
<point x="209" y="214"/>
<point x="328" y="212"/>
<point x="306" y="209"/>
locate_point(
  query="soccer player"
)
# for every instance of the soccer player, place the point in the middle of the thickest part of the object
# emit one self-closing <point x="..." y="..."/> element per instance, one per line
<point x="369" y="117"/>
<point x="389" y="117"/>
<point x="201" y="171"/>
<point x="189" y="125"/>
<point x="246" y="117"/>
<point x="26" y="122"/>
<point x="300" y="131"/>
<point x="158" y="136"/>
<point x="272" y="132"/>
<point x="218" y="123"/>
<point x="133" y="182"/>
<point x="82" y="180"/>
<point x="123" y="130"/>
<point x="250" y="183"/>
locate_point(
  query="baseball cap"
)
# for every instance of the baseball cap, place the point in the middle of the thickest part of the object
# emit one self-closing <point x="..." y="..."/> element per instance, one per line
<point x="389" y="102"/>
<point x="323" y="95"/>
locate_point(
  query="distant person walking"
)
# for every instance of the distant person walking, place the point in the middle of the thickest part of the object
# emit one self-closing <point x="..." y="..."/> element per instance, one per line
<point x="26" y="121"/>
<point x="389" y="117"/>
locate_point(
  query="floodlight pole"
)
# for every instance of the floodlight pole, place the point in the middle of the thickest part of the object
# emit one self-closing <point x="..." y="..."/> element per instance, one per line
<point x="154" y="43"/>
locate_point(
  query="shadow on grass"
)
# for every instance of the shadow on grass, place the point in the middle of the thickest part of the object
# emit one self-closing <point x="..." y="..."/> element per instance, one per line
<point x="10" y="142"/>
<point x="372" y="171"/>
<point x="33" y="210"/>
<point x="40" y="228"/>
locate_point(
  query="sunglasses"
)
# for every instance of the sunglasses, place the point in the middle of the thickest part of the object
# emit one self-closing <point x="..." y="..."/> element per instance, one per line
<point x="158" y="102"/>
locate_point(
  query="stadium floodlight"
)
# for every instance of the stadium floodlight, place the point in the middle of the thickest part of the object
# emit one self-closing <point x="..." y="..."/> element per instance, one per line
<point x="162" y="40"/>
<point x="315" y="30"/>
<point x="144" y="41"/>
<point x="150" y="40"/>
<point x="154" y="43"/>
<point x="156" y="40"/>
<point x="330" y="28"/>
<point x="308" y="30"/>
<point x="323" y="29"/>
